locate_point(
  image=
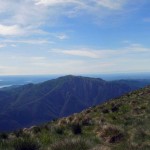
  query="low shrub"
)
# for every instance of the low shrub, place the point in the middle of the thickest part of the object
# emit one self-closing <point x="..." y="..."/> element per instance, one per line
<point x="58" y="130"/>
<point x="3" y="136"/>
<point x="111" y="134"/>
<point x="76" y="129"/>
<point x="18" y="133"/>
<point x="71" y="144"/>
<point x="26" y="144"/>
<point x="36" y="130"/>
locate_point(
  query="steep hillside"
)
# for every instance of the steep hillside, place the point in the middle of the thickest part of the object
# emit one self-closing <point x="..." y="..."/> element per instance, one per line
<point x="119" y="124"/>
<point x="37" y="103"/>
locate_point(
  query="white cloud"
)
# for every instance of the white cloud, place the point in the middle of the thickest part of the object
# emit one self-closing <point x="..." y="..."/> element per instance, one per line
<point x="83" y="53"/>
<point x="17" y="30"/>
<point x="30" y="16"/>
<point x="19" y="17"/>
<point x="133" y="57"/>
<point x="34" y="12"/>
<point x="71" y="66"/>
<point x="5" y="5"/>
<point x="57" y="2"/>
<point x="13" y="45"/>
<point x="104" y="53"/>
<point x="136" y="48"/>
<point x="30" y="41"/>
<point x="89" y="53"/>
<point x="11" y="30"/>
<point x="36" y="41"/>
<point x="112" y="4"/>
<point x="37" y="58"/>
<point x="28" y="59"/>
<point x="62" y="36"/>
<point x="2" y="45"/>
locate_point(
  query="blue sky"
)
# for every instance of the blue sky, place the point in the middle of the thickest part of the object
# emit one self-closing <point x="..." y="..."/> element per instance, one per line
<point x="74" y="36"/>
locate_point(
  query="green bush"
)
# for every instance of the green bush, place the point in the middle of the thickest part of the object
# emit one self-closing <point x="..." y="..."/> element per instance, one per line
<point x="71" y="144"/>
<point x="3" y="136"/>
<point x="19" y="133"/>
<point x="111" y="134"/>
<point x="36" y="130"/>
<point x="26" y="144"/>
<point x="58" y="130"/>
<point x="46" y="138"/>
<point x="76" y="129"/>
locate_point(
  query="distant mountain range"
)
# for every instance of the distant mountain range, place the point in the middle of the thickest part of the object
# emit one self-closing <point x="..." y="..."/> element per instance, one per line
<point x="31" y="104"/>
<point x="118" y="124"/>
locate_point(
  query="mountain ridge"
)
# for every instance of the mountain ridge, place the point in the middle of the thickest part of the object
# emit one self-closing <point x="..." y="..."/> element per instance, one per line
<point x="37" y="103"/>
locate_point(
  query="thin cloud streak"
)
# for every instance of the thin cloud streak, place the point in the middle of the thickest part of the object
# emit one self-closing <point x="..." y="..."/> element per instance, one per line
<point x="82" y="53"/>
<point x="104" y="53"/>
<point x="30" y="41"/>
<point x="112" y="4"/>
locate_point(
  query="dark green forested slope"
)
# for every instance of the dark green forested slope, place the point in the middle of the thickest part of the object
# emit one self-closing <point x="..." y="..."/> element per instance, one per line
<point x="37" y="103"/>
<point x="119" y="124"/>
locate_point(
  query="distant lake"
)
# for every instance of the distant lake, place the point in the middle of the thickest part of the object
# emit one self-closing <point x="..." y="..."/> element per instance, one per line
<point x="6" y="81"/>
<point x="2" y="86"/>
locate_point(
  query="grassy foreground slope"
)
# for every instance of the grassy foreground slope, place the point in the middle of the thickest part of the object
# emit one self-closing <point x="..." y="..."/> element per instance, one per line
<point x="119" y="124"/>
